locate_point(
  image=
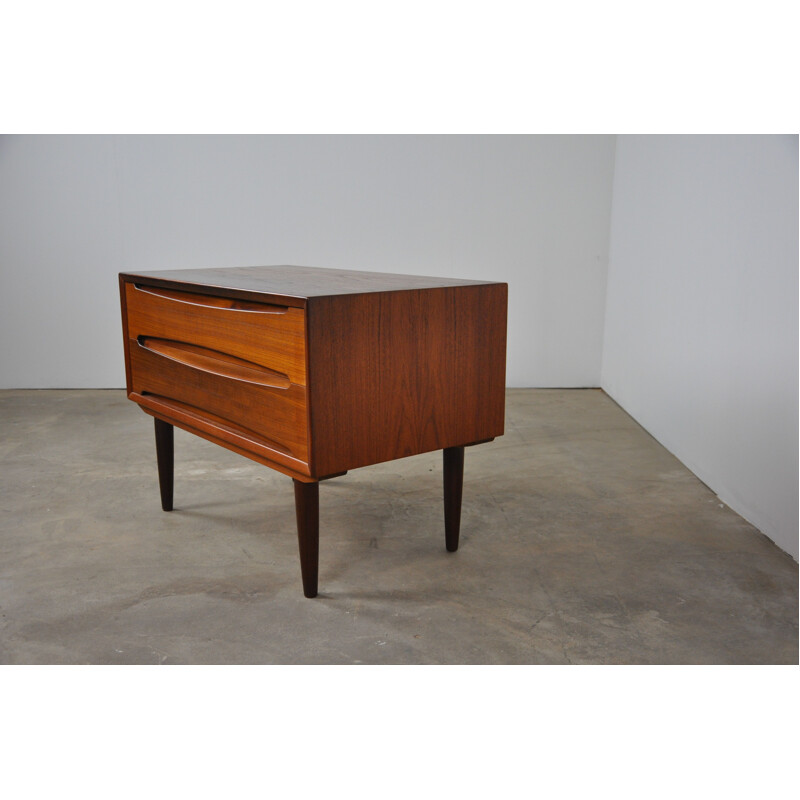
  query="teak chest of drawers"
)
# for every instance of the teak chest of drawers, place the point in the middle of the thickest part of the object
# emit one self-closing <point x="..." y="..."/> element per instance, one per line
<point x="315" y="372"/>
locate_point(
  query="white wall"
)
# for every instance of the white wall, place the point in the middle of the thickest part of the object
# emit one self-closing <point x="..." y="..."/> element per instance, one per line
<point x="701" y="309"/>
<point x="75" y="211"/>
<point x="701" y="334"/>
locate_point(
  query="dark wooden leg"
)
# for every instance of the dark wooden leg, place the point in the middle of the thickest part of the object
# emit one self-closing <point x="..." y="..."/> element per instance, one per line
<point x="165" y="455"/>
<point x="306" y="502"/>
<point x="453" y="483"/>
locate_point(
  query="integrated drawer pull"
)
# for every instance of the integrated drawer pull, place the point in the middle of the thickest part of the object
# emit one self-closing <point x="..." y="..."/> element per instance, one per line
<point x="212" y="302"/>
<point x="266" y="337"/>
<point x="201" y="418"/>
<point x="217" y="363"/>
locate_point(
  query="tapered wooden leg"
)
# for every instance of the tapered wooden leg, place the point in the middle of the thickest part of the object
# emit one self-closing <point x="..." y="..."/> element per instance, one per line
<point x="306" y="502"/>
<point x="453" y="483"/>
<point x="165" y="455"/>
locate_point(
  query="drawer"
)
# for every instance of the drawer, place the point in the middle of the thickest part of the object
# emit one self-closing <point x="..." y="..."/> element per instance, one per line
<point x="227" y="393"/>
<point x="267" y="336"/>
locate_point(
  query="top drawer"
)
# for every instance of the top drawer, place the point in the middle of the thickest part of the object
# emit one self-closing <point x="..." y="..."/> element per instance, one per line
<point x="270" y="335"/>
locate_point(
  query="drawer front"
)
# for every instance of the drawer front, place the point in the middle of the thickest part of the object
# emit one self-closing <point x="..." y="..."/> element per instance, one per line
<point x="267" y="336"/>
<point x="194" y="382"/>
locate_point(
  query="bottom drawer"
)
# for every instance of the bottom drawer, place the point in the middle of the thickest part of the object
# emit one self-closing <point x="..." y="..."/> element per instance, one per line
<point x="274" y="416"/>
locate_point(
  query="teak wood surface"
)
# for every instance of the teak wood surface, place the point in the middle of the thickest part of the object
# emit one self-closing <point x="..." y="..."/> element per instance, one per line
<point x="405" y="372"/>
<point x="315" y="372"/>
<point x="267" y="335"/>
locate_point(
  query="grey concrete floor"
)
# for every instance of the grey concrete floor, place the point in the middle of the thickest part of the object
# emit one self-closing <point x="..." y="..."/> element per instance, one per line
<point x="583" y="541"/>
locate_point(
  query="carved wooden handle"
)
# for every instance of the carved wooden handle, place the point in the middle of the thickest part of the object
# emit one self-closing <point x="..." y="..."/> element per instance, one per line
<point x="212" y="302"/>
<point x="237" y="369"/>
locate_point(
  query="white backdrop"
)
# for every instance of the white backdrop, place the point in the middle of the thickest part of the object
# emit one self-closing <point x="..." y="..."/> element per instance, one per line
<point x="74" y="211"/>
<point x="701" y="322"/>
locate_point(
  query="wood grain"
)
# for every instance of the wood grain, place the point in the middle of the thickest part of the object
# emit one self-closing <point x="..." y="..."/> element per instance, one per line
<point x="235" y="369"/>
<point x="223" y="433"/>
<point x="394" y="374"/>
<point x="277" y="414"/>
<point x="182" y="296"/>
<point x="314" y="372"/>
<point x="275" y="340"/>
<point x="290" y="285"/>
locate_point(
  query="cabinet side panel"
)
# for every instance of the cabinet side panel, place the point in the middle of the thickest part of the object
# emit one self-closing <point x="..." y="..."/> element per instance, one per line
<point x="394" y="374"/>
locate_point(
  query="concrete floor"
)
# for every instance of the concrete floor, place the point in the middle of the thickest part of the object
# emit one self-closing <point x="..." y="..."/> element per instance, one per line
<point x="583" y="541"/>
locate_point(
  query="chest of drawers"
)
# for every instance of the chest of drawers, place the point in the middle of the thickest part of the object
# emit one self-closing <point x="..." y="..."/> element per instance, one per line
<point x="314" y="372"/>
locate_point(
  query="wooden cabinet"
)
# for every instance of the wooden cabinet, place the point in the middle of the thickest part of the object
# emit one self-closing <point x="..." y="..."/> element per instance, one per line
<point x="315" y="372"/>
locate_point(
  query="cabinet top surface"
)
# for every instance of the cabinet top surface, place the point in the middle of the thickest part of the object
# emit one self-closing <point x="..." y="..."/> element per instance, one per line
<point x="300" y="282"/>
